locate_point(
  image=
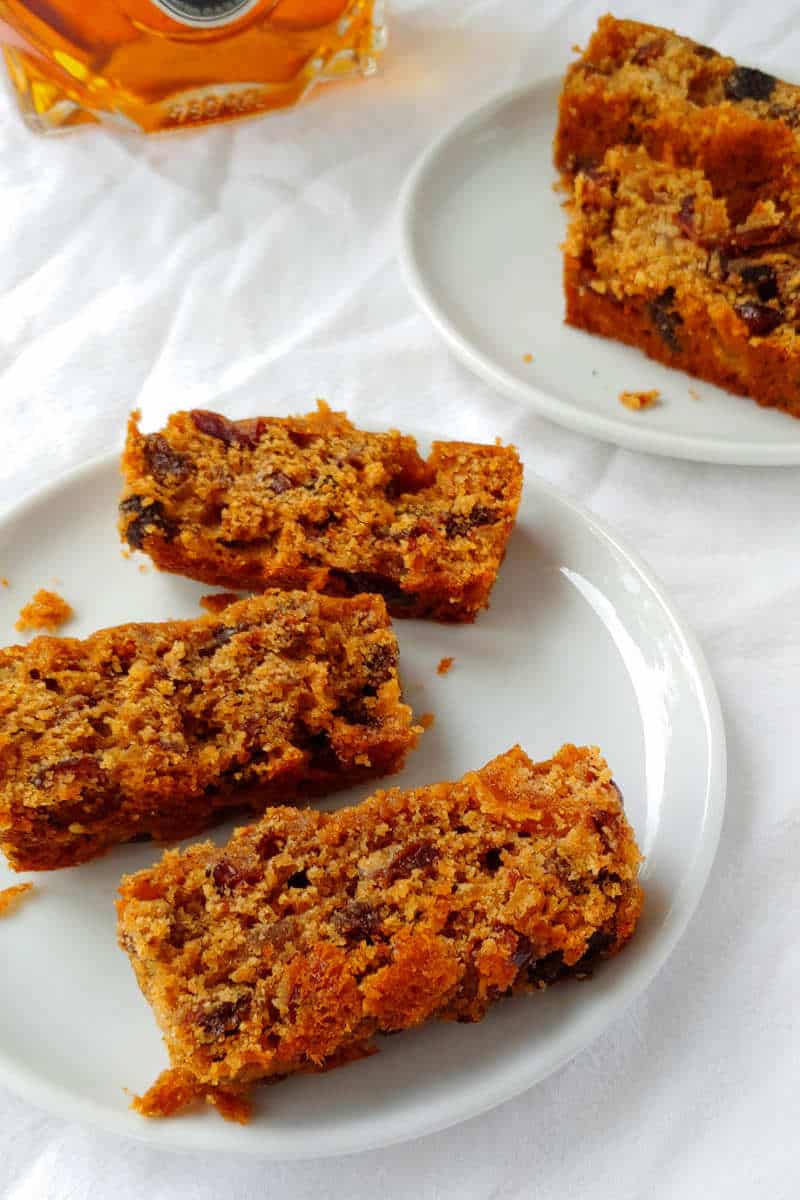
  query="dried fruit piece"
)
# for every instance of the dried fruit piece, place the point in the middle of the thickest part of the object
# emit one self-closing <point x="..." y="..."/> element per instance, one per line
<point x="665" y="318"/>
<point x="748" y="83"/>
<point x="493" y="859"/>
<point x="648" y="51"/>
<point x="460" y="524"/>
<point x="224" y="1019"/>
<point x="761" y="276"/>
<point x="225" y="876"/>
<point x="416" y="856"/>
<point x="278" y="482"/>
<point x="357" y="921"/>
<point x="219" y="427"/>
<point x="168" y="466"/>
<point x="524" y="952"/>
<point x="546" y="970"/>
<point x="354" y="582"/>
<point x="149" y="515"/>
<point x="685" y="216"/>
<point x="299" y="879"/>
<point x="380" y="660"/>
<point x="760" y="319"/>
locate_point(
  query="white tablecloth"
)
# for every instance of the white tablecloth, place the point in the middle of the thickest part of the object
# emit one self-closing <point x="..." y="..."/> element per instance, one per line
<point x="252" y="267"/>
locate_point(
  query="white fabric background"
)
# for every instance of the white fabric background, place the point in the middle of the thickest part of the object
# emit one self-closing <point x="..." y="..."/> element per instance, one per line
<point x="252" y="267"/>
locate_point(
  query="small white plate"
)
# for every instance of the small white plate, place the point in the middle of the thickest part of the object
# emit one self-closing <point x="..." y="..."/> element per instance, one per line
<point x="580" y="644"/>
<point x="480" y="235"/>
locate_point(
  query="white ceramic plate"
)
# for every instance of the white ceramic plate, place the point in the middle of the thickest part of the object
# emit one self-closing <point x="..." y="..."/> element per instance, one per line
<point x="480" y="231"/>
<point x="580" y="644"/>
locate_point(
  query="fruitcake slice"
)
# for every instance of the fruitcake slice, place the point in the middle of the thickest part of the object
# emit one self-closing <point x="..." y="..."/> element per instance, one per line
<point x="289" y="948"/>
<point x="313" y="502"/>
<point x="639" y="84"/>
<point x="154" y="730"/>
<point x="652" y="259"/>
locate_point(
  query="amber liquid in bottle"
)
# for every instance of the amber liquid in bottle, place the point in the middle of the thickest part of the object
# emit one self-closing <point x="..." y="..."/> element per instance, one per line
<point x="154" y="65"/>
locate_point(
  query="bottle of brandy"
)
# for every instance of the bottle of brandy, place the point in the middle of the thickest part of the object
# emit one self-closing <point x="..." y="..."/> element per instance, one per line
<point x="153" y="65"/>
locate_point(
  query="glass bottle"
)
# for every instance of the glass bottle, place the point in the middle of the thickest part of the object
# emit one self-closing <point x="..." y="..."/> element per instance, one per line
<point x="154" y="65"/>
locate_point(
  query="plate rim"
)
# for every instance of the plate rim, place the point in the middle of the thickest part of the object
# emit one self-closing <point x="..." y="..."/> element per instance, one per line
<point x="55" y="1099"/>
<point x="609" y="429"/>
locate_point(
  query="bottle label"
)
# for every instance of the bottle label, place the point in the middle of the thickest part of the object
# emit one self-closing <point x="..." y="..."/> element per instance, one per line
<point x="205" y="14"/>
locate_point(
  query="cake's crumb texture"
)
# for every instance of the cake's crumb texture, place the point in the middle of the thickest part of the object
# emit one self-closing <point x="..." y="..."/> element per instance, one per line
<point x="444" y="665"/>
<point x="636" y="401"/>
<point x="156" y="729"/>
<point x="291" y="947"/>
<point x="685" y="231"/>
<point x="312" y="502"/>
<point x="47" y="610"/>
<point x="687" y="105"/>
<point x="216" y="602"/>
<point x="11" y="896"/>
<point x="651" y="259"/>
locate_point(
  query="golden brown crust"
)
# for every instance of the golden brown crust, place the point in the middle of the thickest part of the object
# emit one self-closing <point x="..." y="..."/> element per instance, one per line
<point x="312" y="502"/>
<point x="652" y="259"/>
<point x="288" y="949"/>
<point x="47" y="610"/>
<point x="158" y="729"/>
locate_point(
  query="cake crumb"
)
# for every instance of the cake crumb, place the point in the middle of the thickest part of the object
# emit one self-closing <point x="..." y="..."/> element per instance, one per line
<point x="636" y="401"/>
<point x="11" y="896"/>
<point x="527" y="358"/>
<point x="47" y="610"/>
<point x="143" y="568"/>
<point x="694" y="394"/>
<point x="426" y="720"/>
<point x="217" y="601"/>
<point x="4" y="581"/>
<point x="444" y="665"/>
